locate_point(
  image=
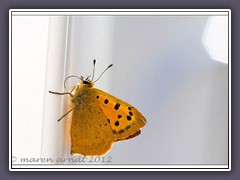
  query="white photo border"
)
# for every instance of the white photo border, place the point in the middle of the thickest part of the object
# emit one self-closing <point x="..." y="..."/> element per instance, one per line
<point x="118" y="12"/>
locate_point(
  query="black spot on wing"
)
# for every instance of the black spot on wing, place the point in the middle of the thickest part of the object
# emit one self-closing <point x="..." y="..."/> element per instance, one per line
<point x="121" y="131"/>
<point x="117" y="105"/>
<point x="127" y="127"/>
<point x="106" y="101"/>
<point x="116" y="123"/>
<point x="129" y="118"/>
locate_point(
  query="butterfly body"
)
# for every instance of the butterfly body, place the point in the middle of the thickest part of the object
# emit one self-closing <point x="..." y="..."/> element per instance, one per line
<point x="100" y="119"/>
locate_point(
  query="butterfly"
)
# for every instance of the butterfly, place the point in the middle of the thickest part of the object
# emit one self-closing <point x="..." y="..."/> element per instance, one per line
<point x="99" y="119"/>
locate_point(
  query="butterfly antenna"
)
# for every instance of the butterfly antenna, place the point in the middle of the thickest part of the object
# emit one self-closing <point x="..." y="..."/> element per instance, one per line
<point x="68" y="78"/>
<point x="94" y="62"/>
<point x="103" y="72"/>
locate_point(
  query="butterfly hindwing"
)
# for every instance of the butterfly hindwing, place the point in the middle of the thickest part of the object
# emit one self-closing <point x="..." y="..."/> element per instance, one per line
<point x="125" y="120"/>
<point x="91" y="133"/>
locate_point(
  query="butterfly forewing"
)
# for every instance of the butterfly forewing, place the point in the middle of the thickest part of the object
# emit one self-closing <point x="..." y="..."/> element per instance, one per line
<point x="125" y="120"/>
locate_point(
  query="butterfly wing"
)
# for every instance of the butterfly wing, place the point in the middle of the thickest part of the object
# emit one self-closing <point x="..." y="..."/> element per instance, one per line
<point x="125" y="120"/>
<point x="91" y="133"/>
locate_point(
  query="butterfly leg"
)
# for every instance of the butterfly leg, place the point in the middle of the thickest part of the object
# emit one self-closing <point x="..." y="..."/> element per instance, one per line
<point x="68" y="93"/>
<point x="58" y="93"/>
<point x="66" y="113"/>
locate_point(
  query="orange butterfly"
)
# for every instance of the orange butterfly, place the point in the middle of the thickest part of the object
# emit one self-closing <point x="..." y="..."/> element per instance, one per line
<point x="99" y="119"/>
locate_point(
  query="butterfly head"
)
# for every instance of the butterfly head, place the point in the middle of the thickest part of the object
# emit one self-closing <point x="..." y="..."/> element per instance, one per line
<point x="86" y="82"/>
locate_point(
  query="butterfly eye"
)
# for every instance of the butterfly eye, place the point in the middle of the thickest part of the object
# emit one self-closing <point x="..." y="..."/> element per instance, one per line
<point x="86" y="83"/>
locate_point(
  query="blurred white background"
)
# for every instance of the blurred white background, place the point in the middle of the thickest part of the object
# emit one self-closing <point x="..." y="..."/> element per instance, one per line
<point x="163" y="65"/>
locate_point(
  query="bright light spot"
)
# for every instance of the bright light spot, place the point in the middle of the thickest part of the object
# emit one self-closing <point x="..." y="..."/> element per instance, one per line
<point x="215" y="38"/>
